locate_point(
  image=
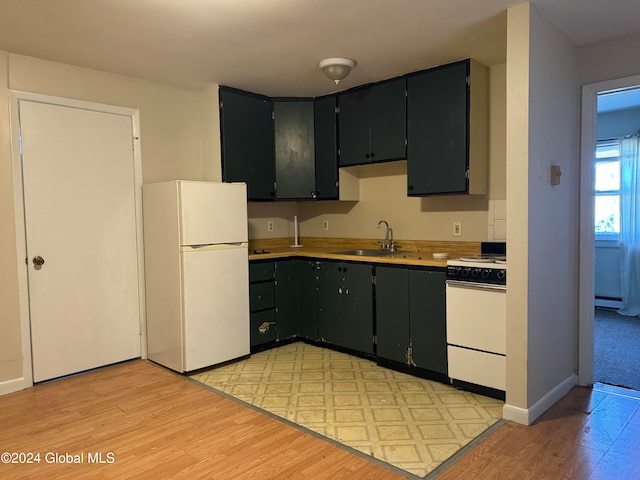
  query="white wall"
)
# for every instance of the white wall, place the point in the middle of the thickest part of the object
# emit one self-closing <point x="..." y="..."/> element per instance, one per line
<point x="610" y="59"/>
<point x="553" y="210"/>
<point x="542" y="129"/>
<point x="179" y="139"/>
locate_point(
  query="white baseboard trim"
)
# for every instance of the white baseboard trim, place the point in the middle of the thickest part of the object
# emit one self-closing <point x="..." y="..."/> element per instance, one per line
<point x="11" y="386"/>
<point x="526" y="416"/>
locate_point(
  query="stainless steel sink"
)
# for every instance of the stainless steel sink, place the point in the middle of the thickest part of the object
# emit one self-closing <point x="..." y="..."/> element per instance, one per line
<point x="367" y="252"/>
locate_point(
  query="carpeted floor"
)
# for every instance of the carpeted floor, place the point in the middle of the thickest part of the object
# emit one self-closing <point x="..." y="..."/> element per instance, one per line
<point x="616" y="349"/>
<point x="408" y="422"/>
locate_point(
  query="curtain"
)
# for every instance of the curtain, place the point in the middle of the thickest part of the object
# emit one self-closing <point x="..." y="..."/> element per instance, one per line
<point x="630" y="225"/>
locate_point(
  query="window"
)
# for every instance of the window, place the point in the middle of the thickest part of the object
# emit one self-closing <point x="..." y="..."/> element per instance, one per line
<point x="607" y="187"/>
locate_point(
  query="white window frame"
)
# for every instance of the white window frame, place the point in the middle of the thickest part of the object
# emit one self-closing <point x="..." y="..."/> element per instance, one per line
<point x="605" y="238"/>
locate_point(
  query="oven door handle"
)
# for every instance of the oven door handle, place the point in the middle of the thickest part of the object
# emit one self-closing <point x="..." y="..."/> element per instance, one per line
<point x="477" y="286"/>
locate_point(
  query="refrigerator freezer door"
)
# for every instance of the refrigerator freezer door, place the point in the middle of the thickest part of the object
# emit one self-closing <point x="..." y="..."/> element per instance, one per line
<point x="212" y="212"/>
<point x="215" y="304"/>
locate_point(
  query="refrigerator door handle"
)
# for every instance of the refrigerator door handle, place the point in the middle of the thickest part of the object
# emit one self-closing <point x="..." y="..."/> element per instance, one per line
<point x="213" y="246"/>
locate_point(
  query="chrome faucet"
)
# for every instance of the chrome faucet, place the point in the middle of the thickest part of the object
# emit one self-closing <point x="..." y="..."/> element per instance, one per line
<point x="387" y="243"/>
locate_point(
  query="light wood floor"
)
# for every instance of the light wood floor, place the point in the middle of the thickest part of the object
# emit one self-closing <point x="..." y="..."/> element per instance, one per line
<point x="588" y="435"/>
<point x="160" y="425"/>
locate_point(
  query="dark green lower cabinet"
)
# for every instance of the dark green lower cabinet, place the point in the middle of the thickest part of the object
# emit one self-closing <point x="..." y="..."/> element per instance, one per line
<point x="296" y="299"/>
<point x="307" y="276"/>
<point x="286" y="299"/>
<point x="345" y="305"/>
<point x="262" y="303"/>
<point x="410" y="317"/>
<point x="392" y="313"/>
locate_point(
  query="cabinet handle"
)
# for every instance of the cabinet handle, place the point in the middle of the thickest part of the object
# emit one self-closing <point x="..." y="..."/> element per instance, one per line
<point x="339" y="269"/>
<point x="346" y="291"/>
<point x="373" y="154"/>
<point x="340" y="290"/>
<point x="344" y="269"/>
<point x="410" y="187"/>
<point x="366" y="155"/>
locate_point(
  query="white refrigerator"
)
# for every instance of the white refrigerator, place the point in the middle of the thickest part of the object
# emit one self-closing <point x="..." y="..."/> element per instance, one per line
<point x="196" y="273"/>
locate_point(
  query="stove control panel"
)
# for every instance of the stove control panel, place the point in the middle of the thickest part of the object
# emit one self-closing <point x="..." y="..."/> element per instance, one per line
<point x="474" y="274"/>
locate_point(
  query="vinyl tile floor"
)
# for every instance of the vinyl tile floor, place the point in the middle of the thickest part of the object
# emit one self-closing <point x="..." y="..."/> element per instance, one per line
<point x="408" y="422"/>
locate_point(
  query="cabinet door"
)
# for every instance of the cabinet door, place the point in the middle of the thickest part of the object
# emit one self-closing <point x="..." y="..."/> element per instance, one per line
<point x="330" y="299"/>
<point x="437" y="112"/>
<point x="307" y="275"/>
<point x="388" y="121"/>
<point x="326" y="146"/>
<point x="345" y="299"/>
<point x="354" y="126"/>
<point x="247" y="141"/>
<point x="294" y="149"/>
<point x="392" y="313"/>
<point x="286" y="299"/>
<point x="357" y="311"/>
<point x="427" y="319"/>
<point x="372" y="123"/>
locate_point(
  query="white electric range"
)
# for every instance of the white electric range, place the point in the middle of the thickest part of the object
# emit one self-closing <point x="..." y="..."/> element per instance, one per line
<point x="476" y="290"/>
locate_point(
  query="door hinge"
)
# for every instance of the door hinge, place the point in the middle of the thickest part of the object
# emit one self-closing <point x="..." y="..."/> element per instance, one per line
<point x="373" y="279"/>
<point x="375" y="339"/>
<point x="337" y="109"/>
<point x="273" y="115"/>
<point x="468" y="80"/>
<point x="466" y="174"/>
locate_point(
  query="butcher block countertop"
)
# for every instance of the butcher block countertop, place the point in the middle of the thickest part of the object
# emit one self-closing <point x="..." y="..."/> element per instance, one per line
<point x="410" y="252"/>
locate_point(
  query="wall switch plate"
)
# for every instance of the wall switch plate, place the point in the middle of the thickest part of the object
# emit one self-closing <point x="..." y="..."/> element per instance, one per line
<point x="555" y="175"/>
<point x="457" y="229"/>
<point x="325" y="225"/>
<point x="270" y="226"/>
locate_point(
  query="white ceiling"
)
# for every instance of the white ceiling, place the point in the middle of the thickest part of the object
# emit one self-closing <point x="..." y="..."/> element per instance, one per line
<point x="273" y="47"/>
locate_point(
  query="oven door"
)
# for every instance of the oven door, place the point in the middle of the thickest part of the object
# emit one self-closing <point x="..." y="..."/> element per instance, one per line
<point x="476" y="316"/>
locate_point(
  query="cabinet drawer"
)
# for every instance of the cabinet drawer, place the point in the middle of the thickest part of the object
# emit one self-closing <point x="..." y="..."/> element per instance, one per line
<point x="263" y="327"/>
<point x="480" y="368"/>
<point x="261" y="296"/>
<point x="261" y="271"/>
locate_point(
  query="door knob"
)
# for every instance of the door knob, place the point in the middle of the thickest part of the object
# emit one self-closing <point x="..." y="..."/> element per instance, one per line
<point x="38" y="261"/>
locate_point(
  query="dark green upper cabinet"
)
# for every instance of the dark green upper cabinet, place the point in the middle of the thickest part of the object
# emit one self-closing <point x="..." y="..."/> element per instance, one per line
<point x="293" y="125"/>
<point x="246" y="128"/>
<point x="447" y="130"/>
<point x="372" y="123"/>
<point x="326" y="148"/>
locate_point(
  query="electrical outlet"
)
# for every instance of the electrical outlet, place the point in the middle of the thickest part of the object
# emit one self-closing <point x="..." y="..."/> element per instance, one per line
<point x="457" y="229"/>
<point x="325" y="225"/>
<point x="270" y="226"/>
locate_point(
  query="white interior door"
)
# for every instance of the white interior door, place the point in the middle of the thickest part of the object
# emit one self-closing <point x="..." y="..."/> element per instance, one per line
<point x="79" y="204"/>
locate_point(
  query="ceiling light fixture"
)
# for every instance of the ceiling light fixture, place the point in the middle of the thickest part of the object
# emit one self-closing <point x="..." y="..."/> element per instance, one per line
<point x="337" y="68"/>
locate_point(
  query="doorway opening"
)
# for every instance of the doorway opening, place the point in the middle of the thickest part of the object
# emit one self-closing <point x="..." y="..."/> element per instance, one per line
<point x="616" y="358"/>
